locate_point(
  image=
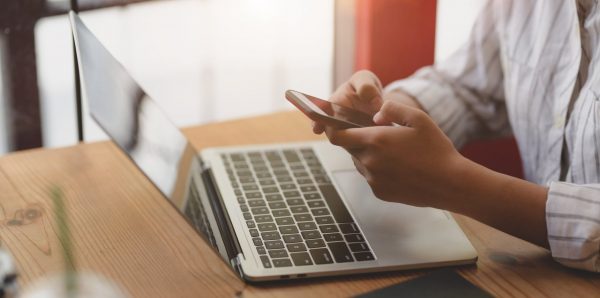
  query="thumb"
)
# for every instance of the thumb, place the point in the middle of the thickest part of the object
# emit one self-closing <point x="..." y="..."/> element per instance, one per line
<point x="401" y="114"/>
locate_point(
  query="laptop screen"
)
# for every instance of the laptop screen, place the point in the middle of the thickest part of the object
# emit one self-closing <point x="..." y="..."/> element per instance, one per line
<point x="142" y="131"/>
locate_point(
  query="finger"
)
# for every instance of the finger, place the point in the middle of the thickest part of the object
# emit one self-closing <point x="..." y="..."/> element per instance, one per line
<point x="350" y="142"/>
<point x="318" y="128"/>
<point x="395" y="112"/>
<point x="368" y="91"/>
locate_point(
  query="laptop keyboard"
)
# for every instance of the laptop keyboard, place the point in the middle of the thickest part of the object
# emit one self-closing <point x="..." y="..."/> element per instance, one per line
<point x="292" y="211"/>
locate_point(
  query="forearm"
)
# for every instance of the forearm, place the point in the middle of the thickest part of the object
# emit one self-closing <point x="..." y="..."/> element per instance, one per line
<point x="512" y="205"/>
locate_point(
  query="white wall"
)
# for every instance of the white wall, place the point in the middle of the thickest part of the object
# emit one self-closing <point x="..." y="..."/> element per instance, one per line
<point x="201" y="60"/>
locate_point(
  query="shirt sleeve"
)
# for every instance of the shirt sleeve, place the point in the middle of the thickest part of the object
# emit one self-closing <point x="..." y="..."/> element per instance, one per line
<point x="464" y="94"/>
<point x="573" y="223"/>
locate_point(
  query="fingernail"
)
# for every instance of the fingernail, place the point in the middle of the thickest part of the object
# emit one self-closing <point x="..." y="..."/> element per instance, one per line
<point x="377" y="117"/>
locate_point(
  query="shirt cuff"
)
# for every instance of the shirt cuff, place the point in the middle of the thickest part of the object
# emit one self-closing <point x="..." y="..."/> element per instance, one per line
<point x="573" y="222"/>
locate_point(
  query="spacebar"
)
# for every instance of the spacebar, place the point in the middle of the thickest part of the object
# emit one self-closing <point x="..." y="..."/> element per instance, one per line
<point x="337" y="207"/>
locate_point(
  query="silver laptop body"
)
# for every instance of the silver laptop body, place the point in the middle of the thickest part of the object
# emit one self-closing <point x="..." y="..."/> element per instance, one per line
<point x="271" y="212"/>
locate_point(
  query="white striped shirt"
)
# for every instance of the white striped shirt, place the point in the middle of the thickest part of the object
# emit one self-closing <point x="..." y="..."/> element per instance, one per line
<point x="532" y="68"/>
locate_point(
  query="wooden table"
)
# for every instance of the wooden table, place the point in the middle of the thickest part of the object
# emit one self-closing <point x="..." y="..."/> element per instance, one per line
<point x="123" y="228"/>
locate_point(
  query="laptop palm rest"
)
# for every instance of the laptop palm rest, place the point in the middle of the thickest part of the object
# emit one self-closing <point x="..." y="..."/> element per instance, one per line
<point x="401" y="234"/>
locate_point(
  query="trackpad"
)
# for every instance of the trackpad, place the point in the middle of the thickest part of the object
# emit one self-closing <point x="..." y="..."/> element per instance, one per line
<point x="389" y="227"/>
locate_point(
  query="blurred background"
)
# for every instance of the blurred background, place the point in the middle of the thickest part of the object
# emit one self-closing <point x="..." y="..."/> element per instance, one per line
<point x="205" y="60"/>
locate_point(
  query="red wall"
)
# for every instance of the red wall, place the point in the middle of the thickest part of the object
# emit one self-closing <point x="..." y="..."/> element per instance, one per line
<point x="396" y="37"/>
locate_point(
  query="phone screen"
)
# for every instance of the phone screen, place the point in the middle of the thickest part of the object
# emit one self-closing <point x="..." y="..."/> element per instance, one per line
<point x="347" y="117"/>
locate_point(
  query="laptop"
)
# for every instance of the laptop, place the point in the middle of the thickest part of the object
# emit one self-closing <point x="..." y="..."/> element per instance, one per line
<point x="271" y="212"/>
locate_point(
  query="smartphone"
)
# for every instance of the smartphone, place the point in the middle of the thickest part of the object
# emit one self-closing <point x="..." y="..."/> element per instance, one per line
<point x="328" y="113"/>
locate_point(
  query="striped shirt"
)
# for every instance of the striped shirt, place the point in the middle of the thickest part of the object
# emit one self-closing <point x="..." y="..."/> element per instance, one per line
<point x="532" y="69"/>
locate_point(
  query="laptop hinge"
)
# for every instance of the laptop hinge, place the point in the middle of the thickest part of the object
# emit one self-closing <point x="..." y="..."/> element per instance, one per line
<point x="224" y="221"/>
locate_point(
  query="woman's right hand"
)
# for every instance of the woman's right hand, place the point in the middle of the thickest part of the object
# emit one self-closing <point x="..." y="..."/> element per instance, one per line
<point x="362" y="92"/>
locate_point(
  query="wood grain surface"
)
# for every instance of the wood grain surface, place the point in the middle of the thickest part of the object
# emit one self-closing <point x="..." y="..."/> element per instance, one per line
<point x="123" y="229"/>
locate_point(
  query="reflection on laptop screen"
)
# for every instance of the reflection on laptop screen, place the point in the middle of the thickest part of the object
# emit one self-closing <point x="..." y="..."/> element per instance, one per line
<point x="142" y="130"/>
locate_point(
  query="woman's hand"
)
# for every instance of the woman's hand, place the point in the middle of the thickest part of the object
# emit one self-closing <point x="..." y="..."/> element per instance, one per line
<point x="362" y="92"/>
<point x="413" y="163"/>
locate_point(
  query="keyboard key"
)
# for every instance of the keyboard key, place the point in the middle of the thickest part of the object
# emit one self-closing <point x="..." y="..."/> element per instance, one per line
<point x="298" y="209"/>
<point x="253" y="195"/>
<point x="247" y="216"/>
<point x="316" y="204"/>
<point x="257" y="241"/>
<point x="304" y="226"/>
<point x="321" y="256"/>
<point x="251" y="224"/>
<point x="304" y="181"/>
<point x="333" y="237"/>
<point x="278" y="253"/>
<point x="282" y="262"/>
<point x="297" y="167"/>
<point x="291" y="156"/>
<point x="263" y="218"/>
<point x="278" y="205"/>
<point x="311" y="234"/>
<point x="300" y="174"/>
<point x="340" y="252"/>
<point x="256" y="203"/>
<point x="265" y="261"/>
<point x="265" y="227"/>
<point x="261" y="250"/>
<point x="320" y="211"/>
<point x="282" y="221"/>
<point x="274" y="235"/>
<point x="260" y="210"/>
<point x="280" y="212"/>
<point x="312" y="196"/>
<point x="270" y="189"/>
<point x="322" y="180"/>
<point x="277" y="165"/>
<point x="247" y="180"/>
<point x="281" y="173"/>
<point x="308" y="188"/>
<point x="295" y="202"/>
<point x="328" y="228"/>
<point x="237" y="192"/>
<point x="288" y="230"/>
<point x="237" y="157"/>
<point x="260" y="169"/>
<point x="354" y="238"/>
<point x="266" y="182"/>
<point x="277" y="244"/>
<point x="349" y="228"/>
<point x="340" y="213"/>
<point x="315" y="243"/>
<point x="324" y="220"/>
<point x="263" y="175"/>
<point x="250" y="187"/>
<point x="254" y="232"/>
<point x="274" y="197"/>
<point x="244" y="207"/>
<point x="292" y="238"/>
<point x="364" y="256"/>
<point x="358" y="247"/>
<point x="303" y="217"/>
<point x="283" y="179"/>
<point x="243" y="173"/>
<point x="287" y="186"/>
<point x="291" y="194"/>
<point x="241" y="200"/>
<point x="301" y="259"/>
<point x="295" y="247"/>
